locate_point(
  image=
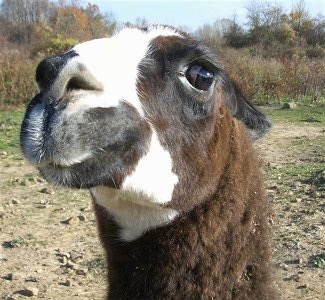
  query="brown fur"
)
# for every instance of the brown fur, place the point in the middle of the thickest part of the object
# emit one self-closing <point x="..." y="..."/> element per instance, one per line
<point x="218" y="250"/>
<point x="218" y="246"/>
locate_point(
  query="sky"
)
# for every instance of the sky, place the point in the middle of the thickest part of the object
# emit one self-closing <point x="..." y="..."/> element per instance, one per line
<point x="191" y="14"/>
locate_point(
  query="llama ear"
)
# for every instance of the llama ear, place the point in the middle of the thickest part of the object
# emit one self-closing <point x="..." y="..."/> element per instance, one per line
<point x="256" y="123"/>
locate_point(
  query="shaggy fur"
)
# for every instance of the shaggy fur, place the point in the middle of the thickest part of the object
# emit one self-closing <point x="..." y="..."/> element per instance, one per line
<point x="163" y="139"/>
<point x="218" y="250"/>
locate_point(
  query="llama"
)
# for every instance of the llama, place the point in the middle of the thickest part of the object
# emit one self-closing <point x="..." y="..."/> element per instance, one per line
<point x="150" y="123"/>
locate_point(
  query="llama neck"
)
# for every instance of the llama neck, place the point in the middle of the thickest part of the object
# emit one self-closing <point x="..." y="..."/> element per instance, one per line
<point x="215" y="249"/>
<point x="190" y="255"/>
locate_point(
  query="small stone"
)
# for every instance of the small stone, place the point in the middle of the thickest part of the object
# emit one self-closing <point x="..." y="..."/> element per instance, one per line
<point x="289" y="105"/>
<point x="68" y="282"/>
<point x="76" y="256"/>
<point x="41" y="270"/>
<point x="284" y="266"/>
<point x="82" y="272"/>
<point x="29" y="291"/>
<point x="70" y="271"/>
<point x="25" y="182"/>
<point x="71" y="266"/>
<point x="15" y="201"/>
<point x="47" y="191"/>
<point x="85" y="209"/>
<point x="64" y="260"/>
<point x="4" y="153"/>
<point x="82" y="218"/>
<point x="14" y="276"/>
<point x="295" y="277"/>
<point x="43" y="202"/>
<point x="9" y="276"/>
<point x="30" y="279"/>
<point x="303" y="286"/>
<point x="66" y="254"/>
<point x="72" y="221"/>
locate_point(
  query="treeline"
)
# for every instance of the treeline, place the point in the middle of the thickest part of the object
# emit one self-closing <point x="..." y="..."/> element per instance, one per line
<point x="51" y="26"/>
<point x="270" y="31"/>
<point x="32" y="29"/>
<point x="275" y="56"/>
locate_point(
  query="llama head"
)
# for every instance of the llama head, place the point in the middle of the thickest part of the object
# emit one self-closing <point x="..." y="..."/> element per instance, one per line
<point x="123" y="112"/>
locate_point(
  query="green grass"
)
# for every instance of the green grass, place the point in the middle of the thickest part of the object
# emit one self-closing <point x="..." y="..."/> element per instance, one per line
<point x="97" y="263"/>
<point x="318" y="261"/>
<point x="296" y="172"/>
<point x="302" y="115"/>
<point x="27" y="241"/>
<point x="10" y="122"/>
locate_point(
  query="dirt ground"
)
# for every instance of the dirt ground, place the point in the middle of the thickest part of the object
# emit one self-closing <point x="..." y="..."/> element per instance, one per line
<point x="48" y="241"/>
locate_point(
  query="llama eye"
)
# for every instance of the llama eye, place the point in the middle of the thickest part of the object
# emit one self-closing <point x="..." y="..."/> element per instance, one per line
<point x="199" y="77"/>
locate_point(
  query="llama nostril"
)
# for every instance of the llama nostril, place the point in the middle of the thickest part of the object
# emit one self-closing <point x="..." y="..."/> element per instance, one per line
<point x="48" y="69"/>
<point x="59" y="76"/>
<point x="83" y="82"/>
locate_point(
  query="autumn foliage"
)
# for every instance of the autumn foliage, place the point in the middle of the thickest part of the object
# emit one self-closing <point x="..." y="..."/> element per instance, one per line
<point x="32" y="29"/>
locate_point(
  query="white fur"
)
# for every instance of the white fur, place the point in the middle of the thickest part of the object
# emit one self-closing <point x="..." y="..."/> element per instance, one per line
<point x="115" y="65"/>
<point x="137" y="206"/>
<point x="112" y="63"/>
<point x="153" y="175"/>
<point x="132" y="212"/>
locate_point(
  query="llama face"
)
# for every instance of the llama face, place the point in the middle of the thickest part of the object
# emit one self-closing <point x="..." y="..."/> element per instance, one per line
<point x="135" y="112"/>
<point x="88" y="118"/>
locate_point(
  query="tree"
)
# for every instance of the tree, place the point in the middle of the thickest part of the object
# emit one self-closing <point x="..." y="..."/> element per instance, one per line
<point x="235" y="35"/>
<point x="71" y="21"/>
<point x="317" y="32"/>
<point x="264" y="19"/>
<point x="19" y="16"/>
<point x="300" y="20"/>
<point x="209" y="34"/>
<point x="99" y="25"/>
<point x="45" y="26"/>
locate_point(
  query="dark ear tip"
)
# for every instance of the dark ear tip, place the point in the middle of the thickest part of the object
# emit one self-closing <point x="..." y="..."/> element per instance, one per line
<point x="259" y="127"/>
<point x="256" y="123"/>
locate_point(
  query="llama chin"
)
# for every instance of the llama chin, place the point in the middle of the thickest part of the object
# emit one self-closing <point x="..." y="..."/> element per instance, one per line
<point x="151" y="123"/>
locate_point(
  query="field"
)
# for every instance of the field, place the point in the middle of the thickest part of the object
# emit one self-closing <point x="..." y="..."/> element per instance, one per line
<point x="48" y="241"/>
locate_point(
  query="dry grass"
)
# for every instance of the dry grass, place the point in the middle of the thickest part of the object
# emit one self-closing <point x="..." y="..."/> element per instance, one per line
<point x="274" y="79"/>
<point x="265" y="80"/>
<point x="17" y="73"/>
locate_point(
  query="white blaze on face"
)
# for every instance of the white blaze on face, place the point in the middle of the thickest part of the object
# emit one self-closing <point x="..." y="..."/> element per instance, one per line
<point x="153" y="174"/>
<point x="114" y="63"/>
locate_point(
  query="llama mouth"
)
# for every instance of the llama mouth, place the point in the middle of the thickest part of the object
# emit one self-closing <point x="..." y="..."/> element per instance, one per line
<point x="101" y="168"/>
<point x="63" y="163"/>
<point x="57" y="166"/>
<point x="76" y="175"/>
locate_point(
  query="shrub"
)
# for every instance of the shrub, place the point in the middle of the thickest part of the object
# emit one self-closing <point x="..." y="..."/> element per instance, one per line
<point x="315" y="52"/>
<point x="17" y="72"/>
<point x="60" y="45"/>
<point x="271" y="79"/>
